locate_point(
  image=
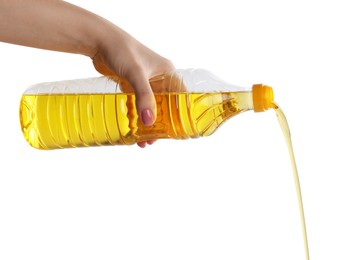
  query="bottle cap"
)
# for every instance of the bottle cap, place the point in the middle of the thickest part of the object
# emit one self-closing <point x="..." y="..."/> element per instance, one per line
<point x="262" y="97"/>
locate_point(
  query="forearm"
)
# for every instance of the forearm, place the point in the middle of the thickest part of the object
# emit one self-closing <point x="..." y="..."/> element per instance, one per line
<point x="51" y="24"/>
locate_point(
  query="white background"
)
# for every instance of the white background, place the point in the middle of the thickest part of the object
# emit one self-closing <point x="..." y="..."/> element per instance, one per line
<point x="228" y="196"/>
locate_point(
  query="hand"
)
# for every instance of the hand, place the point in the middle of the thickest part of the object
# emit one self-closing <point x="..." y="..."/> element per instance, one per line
<point x="122" y="57"/>
<point x="53" y="25"/>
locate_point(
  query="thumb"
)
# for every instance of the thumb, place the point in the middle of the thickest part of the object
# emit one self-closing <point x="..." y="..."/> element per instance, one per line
<point x="145" y="100"/>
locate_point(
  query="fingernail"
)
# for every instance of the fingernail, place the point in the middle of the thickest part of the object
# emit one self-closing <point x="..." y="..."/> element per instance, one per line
<point x="147" y="117"/>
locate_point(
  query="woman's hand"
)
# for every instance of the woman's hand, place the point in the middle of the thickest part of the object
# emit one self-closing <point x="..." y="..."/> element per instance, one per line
<point x="60" y="26"/>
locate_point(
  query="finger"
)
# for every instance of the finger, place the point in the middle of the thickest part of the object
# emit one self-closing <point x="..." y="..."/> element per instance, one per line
<point x="145" y="101"/>
<point x="151" y="142"/>
<point x="141" y="144"/>
<point x="144" y="143"/>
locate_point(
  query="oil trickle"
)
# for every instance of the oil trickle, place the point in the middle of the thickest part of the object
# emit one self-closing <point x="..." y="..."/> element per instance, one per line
<point x="286" y="132"/>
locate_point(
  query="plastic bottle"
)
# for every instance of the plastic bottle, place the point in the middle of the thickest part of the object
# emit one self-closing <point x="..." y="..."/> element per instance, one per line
<point x="99" y="111"/>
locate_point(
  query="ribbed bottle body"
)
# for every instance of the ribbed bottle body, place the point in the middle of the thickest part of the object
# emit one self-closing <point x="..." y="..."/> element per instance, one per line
<point x="75" y="120"/>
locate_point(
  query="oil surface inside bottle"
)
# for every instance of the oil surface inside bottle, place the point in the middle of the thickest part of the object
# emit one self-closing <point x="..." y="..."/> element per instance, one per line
<point x="286" y="132"/>
<point x="74" y="120"/>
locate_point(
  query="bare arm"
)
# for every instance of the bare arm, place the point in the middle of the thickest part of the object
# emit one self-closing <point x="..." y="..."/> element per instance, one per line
<point x="50" y="24"/>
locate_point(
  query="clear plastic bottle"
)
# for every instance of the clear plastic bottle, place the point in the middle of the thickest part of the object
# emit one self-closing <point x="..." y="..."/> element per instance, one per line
<point x="99" y="111"/>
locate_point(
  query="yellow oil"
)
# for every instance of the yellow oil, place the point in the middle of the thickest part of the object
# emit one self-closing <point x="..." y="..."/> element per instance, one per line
<point x="75" y="120"/>
<point x="286" y="132"/>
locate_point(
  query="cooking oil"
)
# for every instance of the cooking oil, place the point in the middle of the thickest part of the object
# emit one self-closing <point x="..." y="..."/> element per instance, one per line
<point x="286" y="133"/>
<point x="190" y="104"/>
<point x="52" y="121"/>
